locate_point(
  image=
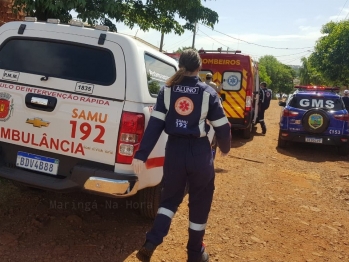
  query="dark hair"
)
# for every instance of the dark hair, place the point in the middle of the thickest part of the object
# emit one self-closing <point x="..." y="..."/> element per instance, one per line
<point x="189" y="61"/>
<point x="264" y="84"/>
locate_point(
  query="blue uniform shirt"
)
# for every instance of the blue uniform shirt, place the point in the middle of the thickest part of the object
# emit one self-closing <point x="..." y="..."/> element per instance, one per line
<point x="346" y="102"/>
<point x="182" y="110"/>
<point x="264" y="98"/>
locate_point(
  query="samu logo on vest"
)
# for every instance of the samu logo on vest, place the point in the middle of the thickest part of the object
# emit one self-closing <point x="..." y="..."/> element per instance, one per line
<point x="186" y="89"/>
<point x="184" y="106"/>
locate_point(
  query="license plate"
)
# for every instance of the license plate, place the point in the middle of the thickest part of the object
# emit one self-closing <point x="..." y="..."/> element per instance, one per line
<point x="37" y="163"/>
<point x="313" y="140"/>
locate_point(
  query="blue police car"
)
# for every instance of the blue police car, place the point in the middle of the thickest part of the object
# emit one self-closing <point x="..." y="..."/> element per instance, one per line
<point x="315" y="114"/>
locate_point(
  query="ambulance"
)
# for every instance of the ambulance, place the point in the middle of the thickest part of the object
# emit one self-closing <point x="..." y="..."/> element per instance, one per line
<point x="237" y="76"/>
<point x="74" y="104"/>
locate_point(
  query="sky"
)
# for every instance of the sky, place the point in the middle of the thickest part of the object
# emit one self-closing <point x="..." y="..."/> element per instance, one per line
<point x="286" y="29"/>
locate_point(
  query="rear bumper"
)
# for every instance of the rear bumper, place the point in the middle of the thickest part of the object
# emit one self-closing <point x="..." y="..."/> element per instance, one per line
<point x="99" y="181"/>
<point x="326" y="140"/>
<point x="241" y="123"/>
<point x="74" y="174"/>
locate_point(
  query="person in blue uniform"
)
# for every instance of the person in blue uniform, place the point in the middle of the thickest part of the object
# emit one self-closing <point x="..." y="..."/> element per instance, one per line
<point x="264" y="102"/>
<point x="182" y="109"/>
<point x="345" y="99"/>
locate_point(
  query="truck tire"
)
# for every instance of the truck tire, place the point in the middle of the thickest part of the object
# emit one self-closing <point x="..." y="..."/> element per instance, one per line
<point x="246" y="133"/>
<point x="282" y="143"/>
<point x="149" y="201"/>
<point x="343" y="150"/>
<point x="324" y="125"/>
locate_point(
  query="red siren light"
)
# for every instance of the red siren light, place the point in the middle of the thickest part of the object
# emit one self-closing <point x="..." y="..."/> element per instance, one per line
<point x="315" y="88"/>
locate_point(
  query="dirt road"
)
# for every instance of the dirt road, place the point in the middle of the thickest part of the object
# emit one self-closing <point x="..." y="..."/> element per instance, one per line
<point x="269" y="205"/>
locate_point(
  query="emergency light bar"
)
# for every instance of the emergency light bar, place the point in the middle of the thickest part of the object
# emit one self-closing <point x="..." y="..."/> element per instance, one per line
<point x="102" y="27"/>
<point x="219" y="51"/>
<point x="75" y="22"/>
<point x="53" y="21"/>
<point x="315" y="88"/>
<point x="30" y="19"/>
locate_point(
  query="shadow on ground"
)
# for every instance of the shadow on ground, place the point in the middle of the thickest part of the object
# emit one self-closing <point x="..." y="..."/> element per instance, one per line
<point x="47" y="226"/>
<point x="312" y="152"/>
<point x="237" y="139"/>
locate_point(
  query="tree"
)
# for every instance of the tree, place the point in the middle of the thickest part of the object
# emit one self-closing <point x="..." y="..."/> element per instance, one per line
<point x="330" y="57"/>
<point x="181" y="49"/>
<point x="153" y="86"/>
<point x="6" y="14"/>
<point x="281" y="76"/>
<point x="147" y="14"/>
<point x="304" y="72"/>
<point x="309" y="75"/>
<point x="263" y="75"/>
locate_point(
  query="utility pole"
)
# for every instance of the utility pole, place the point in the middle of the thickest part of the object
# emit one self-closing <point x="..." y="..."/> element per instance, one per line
<point x="161" y="41"/>
<point x="193" y="45"/>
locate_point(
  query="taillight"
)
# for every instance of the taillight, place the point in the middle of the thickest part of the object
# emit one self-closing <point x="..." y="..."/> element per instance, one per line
<point x="343" y="117"/>
<point x="248" y="100"/>
<point x="130" y="135"/>
<point x="289" y="113"/>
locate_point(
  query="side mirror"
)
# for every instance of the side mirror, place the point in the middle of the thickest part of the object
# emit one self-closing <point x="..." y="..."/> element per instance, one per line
<point x="282" y="103"/>
<point x="223" y="97"/>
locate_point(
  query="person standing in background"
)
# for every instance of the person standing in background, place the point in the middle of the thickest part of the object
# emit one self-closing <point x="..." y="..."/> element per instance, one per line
<point x="264" y="102"/>
<point x="345" y="99"/>
<point x="211" y="83"/>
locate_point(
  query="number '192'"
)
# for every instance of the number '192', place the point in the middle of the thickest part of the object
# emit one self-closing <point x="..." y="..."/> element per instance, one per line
<point x="86" y="129"/>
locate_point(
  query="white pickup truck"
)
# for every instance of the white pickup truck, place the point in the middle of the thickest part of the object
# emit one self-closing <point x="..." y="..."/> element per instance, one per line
<point x="74" y="103"/>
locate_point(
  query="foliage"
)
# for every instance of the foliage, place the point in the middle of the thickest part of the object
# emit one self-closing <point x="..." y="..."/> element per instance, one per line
<point x="156" y="14"/>
<point x="330" y="57"/>
<point x="153" y="86"/>
<point x="281" y="76"/>
<point x="309" y="75"/>
<point x="296" y="69"/>
<point x="263" y="75"/>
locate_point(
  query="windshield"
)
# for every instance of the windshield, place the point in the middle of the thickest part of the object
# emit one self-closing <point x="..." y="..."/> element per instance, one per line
<point x="59" y="59"/>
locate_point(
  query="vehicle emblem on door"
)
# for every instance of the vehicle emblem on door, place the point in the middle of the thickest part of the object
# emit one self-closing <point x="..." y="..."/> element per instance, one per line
<point x="6" y="106"/>
<point x="37" y="122"/>
<point x="232" y="80"/>
<point x="315" y="121"/>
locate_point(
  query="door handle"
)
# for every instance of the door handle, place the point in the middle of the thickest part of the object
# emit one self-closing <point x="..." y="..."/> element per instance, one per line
<point x="40" y="102"/>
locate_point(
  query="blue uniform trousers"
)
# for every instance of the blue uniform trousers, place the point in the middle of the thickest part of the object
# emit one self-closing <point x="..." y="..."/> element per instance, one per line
<point x="186" y="159"/>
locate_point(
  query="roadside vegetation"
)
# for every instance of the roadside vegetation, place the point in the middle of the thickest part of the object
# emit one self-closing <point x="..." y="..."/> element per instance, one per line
<point x="327" y="65"/>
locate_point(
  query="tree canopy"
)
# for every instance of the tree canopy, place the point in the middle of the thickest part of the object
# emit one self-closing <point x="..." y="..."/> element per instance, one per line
<point x="160" y="15"/>
<point x="309" y="75"/>
<point x="263" y="75"/>
<point x="330" y="56"/>
<point x="277" y="75"/>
